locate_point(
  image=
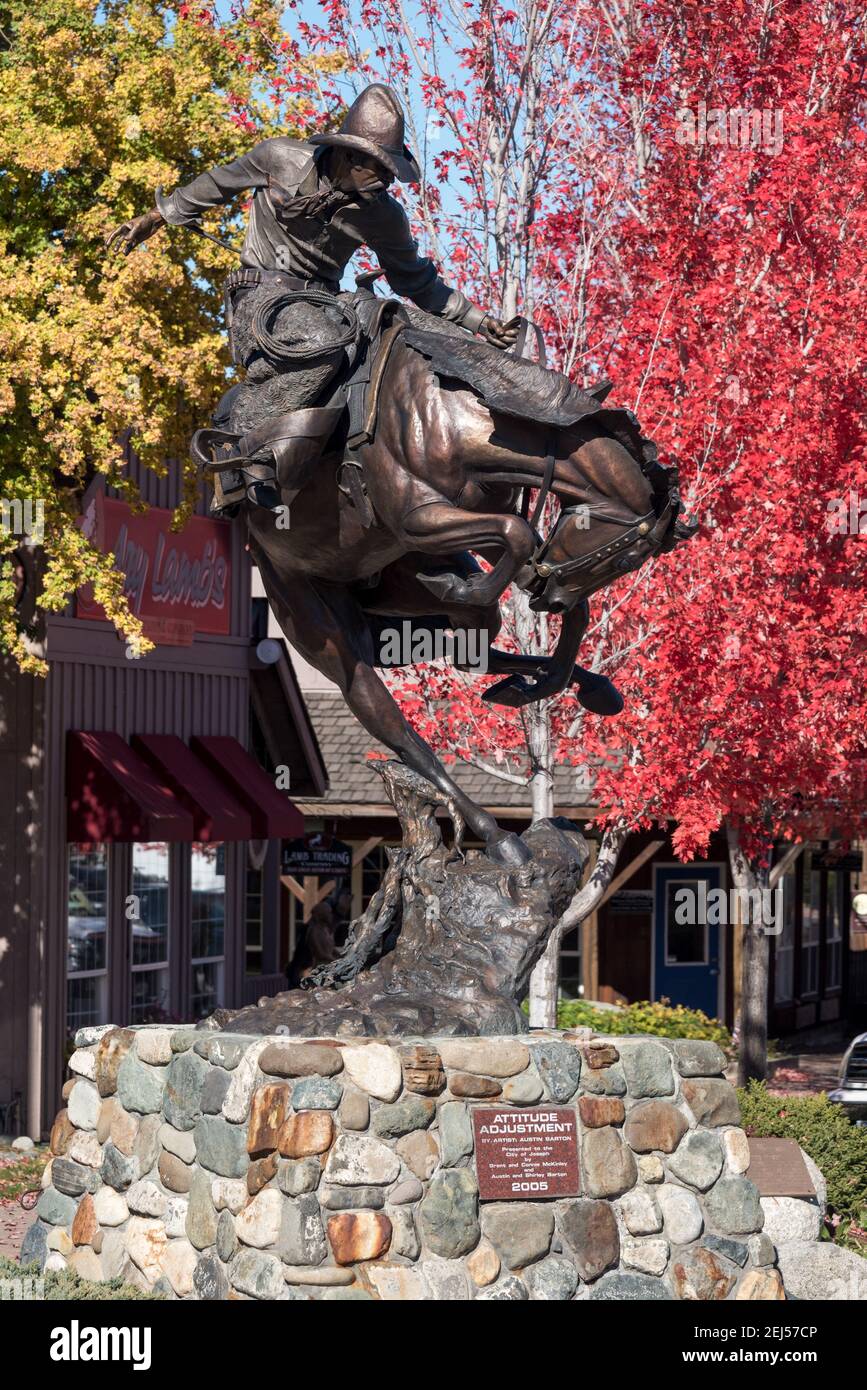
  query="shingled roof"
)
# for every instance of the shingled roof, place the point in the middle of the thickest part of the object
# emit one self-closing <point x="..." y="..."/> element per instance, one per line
<point x="353" y="785"/>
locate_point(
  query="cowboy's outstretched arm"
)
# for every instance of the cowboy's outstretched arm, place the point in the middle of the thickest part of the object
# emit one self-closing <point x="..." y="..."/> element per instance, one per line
<point x="417" y="277"/>
<point x="187" y="203"/>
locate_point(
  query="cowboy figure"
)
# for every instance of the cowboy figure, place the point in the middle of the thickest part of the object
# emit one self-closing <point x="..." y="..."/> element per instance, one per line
<point x="314" y="204"/>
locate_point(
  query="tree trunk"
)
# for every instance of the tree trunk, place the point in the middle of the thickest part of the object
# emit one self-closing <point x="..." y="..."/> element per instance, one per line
<point x="752" y="1022"/>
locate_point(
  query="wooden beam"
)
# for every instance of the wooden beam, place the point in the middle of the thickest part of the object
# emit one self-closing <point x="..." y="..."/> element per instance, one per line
<point x="293" y="885"/>
<point x="788" y="859"/>
<point x="364" y="850"/>
<point x="590" y="940"/>
<point x="631" y="868"/>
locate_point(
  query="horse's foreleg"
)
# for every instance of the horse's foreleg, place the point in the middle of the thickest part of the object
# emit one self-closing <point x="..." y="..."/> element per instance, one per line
<point x="438" y="526"/>
<point x="330" y="630"/>
<point x="594" y="692"/>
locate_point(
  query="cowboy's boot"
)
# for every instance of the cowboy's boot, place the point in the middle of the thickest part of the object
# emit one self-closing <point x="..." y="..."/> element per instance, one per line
<point x="272" y="462"/>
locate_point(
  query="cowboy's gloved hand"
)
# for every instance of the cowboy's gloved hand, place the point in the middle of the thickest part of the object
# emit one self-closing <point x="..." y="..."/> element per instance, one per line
<point x="499" y="334"/>
<point x="131" y="234"/>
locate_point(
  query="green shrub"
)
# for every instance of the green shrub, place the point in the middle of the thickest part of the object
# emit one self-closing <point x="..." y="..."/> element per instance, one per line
<point x="23" y="1174"/>
<point x="825" y="1132"/>
<point x="662" y="1020"/>
<point x="67" y="1286"/>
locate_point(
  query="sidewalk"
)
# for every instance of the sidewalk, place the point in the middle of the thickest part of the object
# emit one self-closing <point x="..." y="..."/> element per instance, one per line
<point x="14" y="1220"/>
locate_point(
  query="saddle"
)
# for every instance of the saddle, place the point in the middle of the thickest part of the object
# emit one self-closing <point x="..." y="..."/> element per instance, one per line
<point x="269" y="465"/>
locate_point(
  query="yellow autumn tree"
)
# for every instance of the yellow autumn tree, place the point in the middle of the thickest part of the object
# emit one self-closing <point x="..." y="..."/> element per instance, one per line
<point x="101" y="101"/>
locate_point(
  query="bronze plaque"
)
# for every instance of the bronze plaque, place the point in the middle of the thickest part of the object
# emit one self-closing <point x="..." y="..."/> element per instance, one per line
<point x="522" y="1154"/>
<point x="778" y="1169"/>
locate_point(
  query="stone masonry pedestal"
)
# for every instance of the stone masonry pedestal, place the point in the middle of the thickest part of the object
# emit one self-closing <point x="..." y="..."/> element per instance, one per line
<point x="221" y="1166"/>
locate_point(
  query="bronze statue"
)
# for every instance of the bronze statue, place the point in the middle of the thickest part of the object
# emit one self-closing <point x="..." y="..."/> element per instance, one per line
<point x="376" y="449"/>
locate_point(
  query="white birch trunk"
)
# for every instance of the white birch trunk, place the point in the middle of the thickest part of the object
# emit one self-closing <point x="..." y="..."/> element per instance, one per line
<point x="752" y="1023"/>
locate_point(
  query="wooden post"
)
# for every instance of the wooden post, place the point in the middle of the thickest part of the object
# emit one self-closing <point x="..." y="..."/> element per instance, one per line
<point x="590" y="940"/>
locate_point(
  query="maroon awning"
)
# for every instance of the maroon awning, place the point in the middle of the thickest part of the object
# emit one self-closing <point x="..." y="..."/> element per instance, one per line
<point x="216" y="813"/>
<point x="272" y="813"/>
<point x="113" y="794"/>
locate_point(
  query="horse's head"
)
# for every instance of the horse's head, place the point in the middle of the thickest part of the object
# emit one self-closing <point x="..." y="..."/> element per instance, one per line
<point x="596" y="542"/>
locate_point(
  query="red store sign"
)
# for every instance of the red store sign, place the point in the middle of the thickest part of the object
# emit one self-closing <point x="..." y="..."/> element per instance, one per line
<point x="176" y="582"/>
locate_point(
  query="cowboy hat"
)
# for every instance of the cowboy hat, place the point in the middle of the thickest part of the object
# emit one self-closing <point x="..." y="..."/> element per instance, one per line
<point x="375" y="125"/>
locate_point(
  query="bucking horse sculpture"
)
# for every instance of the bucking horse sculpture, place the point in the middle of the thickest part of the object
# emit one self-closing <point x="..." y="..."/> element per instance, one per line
<point x="377" y="449"/>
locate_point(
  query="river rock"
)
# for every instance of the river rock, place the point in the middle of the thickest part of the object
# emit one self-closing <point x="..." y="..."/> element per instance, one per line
<point x="267" y="1114"/>
<point x="449" y="1213"/>
<point x="590" y="1230"/>
<point x="182" y="1101"/>
<point x="681" y="1214"/>
<point x="552" y="1280"/>
<point x="317" y="1093"/>
<point x="374" y="1068"/>
<point x="146" y="1243"/>
<point x="520" y="1232"/>
<point x="112" y="1049"/>
<point x="83" y="1105"/>
<point x="210" y="1279"/>
<point x="648" y="1256"/>
<point x="609" y="1166"/>
<point x="258" y="1224"/>
<point x="411" y="1113"/>
<point x="733" y="1206"/>
<point x="485" y="1056"/>
<point x="301" y="1239"/>
<point x="358" y="1235"/>
<point x="356" y="1162"/>
<point x="221" y="1147"/>
<point x="293" y="1178"/>
<point x="140" y="1087"/>
<point x="200" y="1223"/>
<point x="301" y="1059"/>
<point x="598" y="1111"/>
<point x="559" y="1066"/>
<point x="698" y="1160"/>
<point x="354" y="1110"/>
<point x="647" y="1067"/>
<point x="655" y="1124"/>
<point x="420" y="1152"/>
<point x="712" y="1102"/>
<point x="525" y="1089"/>
<point x="145" y="1199"/>
<point x="456" y="1133"/>
<point x="699" y="1275"/>
<point x="641" y="1215"/>
<point x="154" y="1046"/>
<point x="255" y="1274"/>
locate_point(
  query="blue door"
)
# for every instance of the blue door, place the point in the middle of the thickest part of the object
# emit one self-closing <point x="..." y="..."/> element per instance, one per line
<point x="685" y="943"/>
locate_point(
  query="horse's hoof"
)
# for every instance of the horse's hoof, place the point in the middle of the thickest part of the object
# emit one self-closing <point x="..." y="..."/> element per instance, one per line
<point x="508" y="849"/>
<point x="597" y="694"/>
<point x="514" y="692"/>
<point x="448" y="588"/>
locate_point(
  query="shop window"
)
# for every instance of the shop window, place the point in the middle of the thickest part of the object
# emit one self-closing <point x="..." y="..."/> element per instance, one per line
<point x="784" y="945"/>
<point x="208" y="881"/>
<point x="149" y="933"/>
<point x="834" y="938"/>
<point x="810" y="926"/>
<point x="86" y="936"/>
<point x="253" y="918"/>
<point x="570" y="965"/>
<point x="685" y="942"/>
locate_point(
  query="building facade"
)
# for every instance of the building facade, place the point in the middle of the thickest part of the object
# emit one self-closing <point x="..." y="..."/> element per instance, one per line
<point x="146" y="799"/>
